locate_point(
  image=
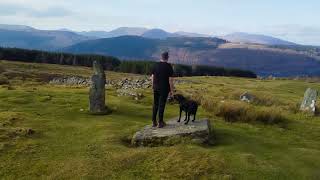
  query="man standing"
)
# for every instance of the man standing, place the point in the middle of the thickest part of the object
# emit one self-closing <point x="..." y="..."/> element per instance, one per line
<point x="162" y="80"/>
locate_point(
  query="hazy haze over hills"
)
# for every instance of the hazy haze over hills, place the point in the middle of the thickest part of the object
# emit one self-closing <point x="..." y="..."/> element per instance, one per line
<point x="241" y="37"/>
<point x="122" y="31"/>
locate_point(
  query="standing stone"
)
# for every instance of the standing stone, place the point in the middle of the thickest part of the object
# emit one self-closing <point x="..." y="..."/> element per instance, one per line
<point x="309" y="101"/>
<point x="97" y="90"/>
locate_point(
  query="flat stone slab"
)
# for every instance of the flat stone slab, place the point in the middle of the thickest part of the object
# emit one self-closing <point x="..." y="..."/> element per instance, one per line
<point x="174" y="133"/>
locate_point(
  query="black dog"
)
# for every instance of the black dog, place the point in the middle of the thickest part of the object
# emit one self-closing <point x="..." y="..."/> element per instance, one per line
<point x="188" y="106"/>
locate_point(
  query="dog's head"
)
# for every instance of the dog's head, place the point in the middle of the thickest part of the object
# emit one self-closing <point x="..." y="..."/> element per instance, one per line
<point x="179" y="98"/>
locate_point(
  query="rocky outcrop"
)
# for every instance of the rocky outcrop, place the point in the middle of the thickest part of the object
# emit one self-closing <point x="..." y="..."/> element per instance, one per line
<point x="174" y="133"/>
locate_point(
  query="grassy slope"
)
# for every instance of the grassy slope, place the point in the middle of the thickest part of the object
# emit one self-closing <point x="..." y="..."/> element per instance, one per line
<point x="70" y="144"/>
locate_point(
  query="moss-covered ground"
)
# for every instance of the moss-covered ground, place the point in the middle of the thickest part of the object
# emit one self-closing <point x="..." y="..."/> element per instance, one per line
<point x="68" y="143"/>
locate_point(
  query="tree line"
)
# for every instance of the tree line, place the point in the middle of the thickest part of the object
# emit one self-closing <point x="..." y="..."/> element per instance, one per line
<point x="114" y="64"/>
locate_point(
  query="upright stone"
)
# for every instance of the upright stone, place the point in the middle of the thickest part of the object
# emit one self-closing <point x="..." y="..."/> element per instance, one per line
<point x="309" y="101"/>
<point x="97" y="90"/>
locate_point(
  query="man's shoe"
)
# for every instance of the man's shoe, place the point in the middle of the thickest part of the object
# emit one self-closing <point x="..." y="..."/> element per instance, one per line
<point x="161" y="124"/>
<point x="154" y="124"/>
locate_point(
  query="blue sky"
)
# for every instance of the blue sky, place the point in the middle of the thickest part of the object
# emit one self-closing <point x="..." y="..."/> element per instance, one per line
<point x="293" y="20"/>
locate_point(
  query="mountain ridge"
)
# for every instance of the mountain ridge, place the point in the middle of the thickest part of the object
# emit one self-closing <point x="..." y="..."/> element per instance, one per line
<point x="261" y="59"/>
<point x="241" y="37"/>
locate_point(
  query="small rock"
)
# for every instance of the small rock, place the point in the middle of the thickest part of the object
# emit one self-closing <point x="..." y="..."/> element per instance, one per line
<point x="247" y="97"/>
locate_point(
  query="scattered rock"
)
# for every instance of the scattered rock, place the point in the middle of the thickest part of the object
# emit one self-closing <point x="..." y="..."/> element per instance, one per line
<point x="97" y="90"/>
<point x="309" y="102"/>
<point x="247" y="97"/>
<point x="71" y="81"/>
<point x="174" y="133"/>
<point x="127" y="83"/>
<point x="126" y="92"/>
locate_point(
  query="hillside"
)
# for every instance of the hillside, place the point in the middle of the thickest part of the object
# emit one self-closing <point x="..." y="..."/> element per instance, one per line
<point x="262" y="59"/>
<point x="240" y="37"/>
<point x="38" y="39"/>
<point x="16" y="27"/>
<point x="68" y="143"/>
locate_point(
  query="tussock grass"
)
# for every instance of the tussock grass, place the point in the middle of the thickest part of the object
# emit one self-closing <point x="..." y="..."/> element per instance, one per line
<point x="261" y="110"/>
<point x="2" y="69"/>
<point x="9" y="118"/>
<point x="3" y="80"/>
<point x="236" y="111"/>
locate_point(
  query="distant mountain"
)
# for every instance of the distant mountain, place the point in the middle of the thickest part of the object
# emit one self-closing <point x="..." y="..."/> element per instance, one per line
<point x="16" y="27"/>
<point x="158" y="34"/>
<point x="240" y="37"/>
<point x="188" y="34"/>
<point x="136" y="31"/>
<point x="262" y="59"/>
<point x="122" y="31"/>
<point x="38" y="39"/>
<point x="137" y="47"/>
<point x="128" y="31"/>
<point x="128" y="47"/>
<point x="94" y="34"/>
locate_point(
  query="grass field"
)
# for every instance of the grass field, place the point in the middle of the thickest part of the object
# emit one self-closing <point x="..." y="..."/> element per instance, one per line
<point x="68" y="143"/>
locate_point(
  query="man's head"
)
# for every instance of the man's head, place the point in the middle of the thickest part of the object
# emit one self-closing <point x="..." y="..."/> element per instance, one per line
<point x="165" y="56"/>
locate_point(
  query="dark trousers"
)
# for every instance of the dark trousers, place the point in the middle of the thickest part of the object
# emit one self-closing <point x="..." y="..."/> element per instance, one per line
<point x="159" y="104"/>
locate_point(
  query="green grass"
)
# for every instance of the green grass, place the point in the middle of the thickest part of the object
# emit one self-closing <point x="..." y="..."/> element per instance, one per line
<point x="71" y="144"/>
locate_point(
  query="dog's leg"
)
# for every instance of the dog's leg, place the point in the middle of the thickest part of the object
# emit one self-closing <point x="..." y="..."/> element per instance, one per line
<point x="194" y="117"/>
<point x="180" y="114"/>
<point x="188" y="118"/>
<point x="185" y="119"/>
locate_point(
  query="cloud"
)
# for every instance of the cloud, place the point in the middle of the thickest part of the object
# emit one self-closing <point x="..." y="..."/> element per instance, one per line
<point x="51" y="12"/>
<point x="11" y="9"/>
<point x="308" y="35"/>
